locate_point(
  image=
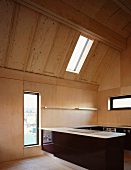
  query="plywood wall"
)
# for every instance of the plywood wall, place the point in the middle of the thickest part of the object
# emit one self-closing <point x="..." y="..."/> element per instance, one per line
<point x="64" y="97"/>
<point x="32" y="41"/>
<point x="11" y="112"/>
<point x="116" y="82"/>
<point x="11" y="119"/>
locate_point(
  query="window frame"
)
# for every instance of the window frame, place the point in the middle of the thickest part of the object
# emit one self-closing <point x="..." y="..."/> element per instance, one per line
<point x="82" y="56"/>
<point x="37" y="131"/>
<point x="119" y="97"/>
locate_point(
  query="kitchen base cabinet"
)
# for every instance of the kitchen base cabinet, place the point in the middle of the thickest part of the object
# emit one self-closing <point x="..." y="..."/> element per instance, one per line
<point x="47" y="141"/>
<point x="127" y="138"/>
<point x="89" y="152"/>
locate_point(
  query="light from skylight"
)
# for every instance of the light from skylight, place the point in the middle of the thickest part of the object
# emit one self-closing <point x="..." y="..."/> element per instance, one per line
<point x="79" y="54"/>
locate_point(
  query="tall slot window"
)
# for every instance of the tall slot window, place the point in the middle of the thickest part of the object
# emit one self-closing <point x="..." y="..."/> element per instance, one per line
<point x="79" y="55"/>
<point x="31" y="118"/>
<point x="120" y="102"/>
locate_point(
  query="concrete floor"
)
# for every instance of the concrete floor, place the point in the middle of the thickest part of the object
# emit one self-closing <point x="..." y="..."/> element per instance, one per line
<point x="44" y="163"/>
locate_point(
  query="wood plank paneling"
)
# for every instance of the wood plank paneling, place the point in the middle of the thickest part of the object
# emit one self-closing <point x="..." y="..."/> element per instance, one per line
<point x="63" y="73"/>
<point x="6" y="17"/>
<point x="32" y="151"/>
<point x="21" y="37"/>
<point x="117" y="82"/>
<point x="114" y="117"/>
<point x="42" y="44"/>
<point x="11" y="121"/>
<point x="76" y="4"/>
<point x="70" y="16"/>
<point x="93" y="62"/>
<point x="126" y="65"/>
<point x="104" y="65"/>
<point x="57" y="96"/>
<point x="125" y="5"/>
<point x="109" y="81"/>
<point x="59" y="50"/>
<point x="106" y="12"/>
<point x="19" y="75"/>
<point x="91" y="8"/>
<point x="64" y="118"/>
<point x="121" y="19"/>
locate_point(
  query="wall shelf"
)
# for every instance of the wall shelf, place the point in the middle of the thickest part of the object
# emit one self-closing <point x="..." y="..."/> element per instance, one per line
<point x="68" y="108"/>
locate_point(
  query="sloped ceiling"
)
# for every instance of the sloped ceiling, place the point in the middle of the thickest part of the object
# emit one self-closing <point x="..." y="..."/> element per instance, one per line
<point x="33" y="42"/>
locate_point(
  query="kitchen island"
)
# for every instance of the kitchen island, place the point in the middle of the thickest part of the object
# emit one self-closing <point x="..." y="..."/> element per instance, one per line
<point x="91" y="149"/>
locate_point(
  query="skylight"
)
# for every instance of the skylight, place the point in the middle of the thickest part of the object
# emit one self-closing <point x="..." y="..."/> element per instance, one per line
<point x="79" y="54"/>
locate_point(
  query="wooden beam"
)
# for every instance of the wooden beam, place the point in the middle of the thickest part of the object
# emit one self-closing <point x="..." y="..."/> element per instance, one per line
<point x="66" y="14"/>
<point x="25" y="76"/>
<point x="125" y="5"/>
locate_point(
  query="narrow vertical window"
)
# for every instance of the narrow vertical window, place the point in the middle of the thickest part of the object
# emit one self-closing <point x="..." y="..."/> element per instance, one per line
<point x="31" y="118"/>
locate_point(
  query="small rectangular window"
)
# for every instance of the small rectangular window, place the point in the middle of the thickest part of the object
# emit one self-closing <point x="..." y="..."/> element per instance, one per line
<point x="79" y="54"/>
<point x="120" y="102"/>
<point x="31" y="119"/>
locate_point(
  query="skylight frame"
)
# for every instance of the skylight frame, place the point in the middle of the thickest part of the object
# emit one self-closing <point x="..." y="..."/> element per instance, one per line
<point x="79" y="54"/>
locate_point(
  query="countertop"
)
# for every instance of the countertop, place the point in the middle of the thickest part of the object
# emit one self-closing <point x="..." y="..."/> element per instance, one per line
<point x="115" y="126"/>
<point x="86" y="132"/>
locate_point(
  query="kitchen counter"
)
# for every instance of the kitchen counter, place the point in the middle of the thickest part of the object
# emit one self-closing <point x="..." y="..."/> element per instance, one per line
<point x="89" y="148"/>
<point x="86" y="132"/>
<point x="116" y="126"/>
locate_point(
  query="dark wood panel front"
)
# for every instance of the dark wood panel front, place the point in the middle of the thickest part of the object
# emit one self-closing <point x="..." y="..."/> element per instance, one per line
<point x="84" y="159"/>
<point x="48" y="148"/>
<point x="79" y="142"/>
<point x="90" y="152"/>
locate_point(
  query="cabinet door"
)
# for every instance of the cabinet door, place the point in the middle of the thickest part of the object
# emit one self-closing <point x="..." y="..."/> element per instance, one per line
<point x="47" y="141"/>
<point x="127" y="139"/>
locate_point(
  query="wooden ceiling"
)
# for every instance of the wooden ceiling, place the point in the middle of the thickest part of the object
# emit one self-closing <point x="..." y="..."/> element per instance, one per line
<point x="36" y="43"/>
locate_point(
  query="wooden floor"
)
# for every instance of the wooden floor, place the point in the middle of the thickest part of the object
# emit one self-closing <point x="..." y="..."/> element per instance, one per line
<point x="44" y="163"/>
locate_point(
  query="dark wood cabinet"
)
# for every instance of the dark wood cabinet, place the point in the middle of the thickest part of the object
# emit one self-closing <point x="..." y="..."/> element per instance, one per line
<point x="89" y="152"/>
<point x="47" y="141"/>
<point x="127" y="138"/>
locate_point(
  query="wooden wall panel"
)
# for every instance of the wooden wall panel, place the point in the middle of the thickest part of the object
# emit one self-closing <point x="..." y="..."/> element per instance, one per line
<point x="6" y="16"/>
<point x="76" y="19"/>
<point x="59" y="50"/>
<point x="21" y="37"/>
<point x="11" y="121"/>
<point x="67" y="118"/>
<point x="56" y="96"/>
<point x="76" y="4"/>
<point x="104" y="115"/>
<point x="42" y="44"/>
<point x="126" y="65"/>
<point x="112" y="77"/>
<point x="32" y="151"/>
<point x="93" y="62"/>
<point x="63" y="73"/>
<point x="106" y="12"/>
<point x="121" y="19"/>
<point x="48" y="92"/>
<point x="104" y="65"/>
<point x="71" y="97"/>
<point x="91" y="8"/>
<point x="116" y="117"/>
<point x="116" y="83"/>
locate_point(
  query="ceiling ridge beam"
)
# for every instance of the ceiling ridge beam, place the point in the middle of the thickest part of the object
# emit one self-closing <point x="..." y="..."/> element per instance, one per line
<point x="66" y="14"/>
